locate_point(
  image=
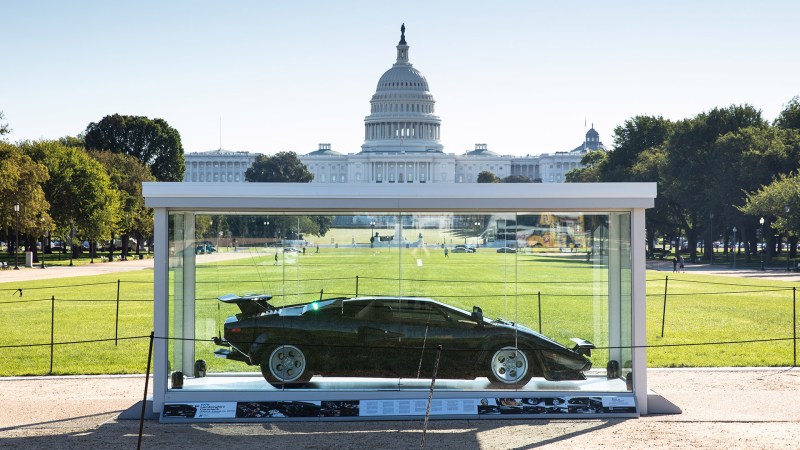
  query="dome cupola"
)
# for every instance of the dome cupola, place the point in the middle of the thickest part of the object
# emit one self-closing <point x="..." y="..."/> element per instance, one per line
<point x="402" y="110"/>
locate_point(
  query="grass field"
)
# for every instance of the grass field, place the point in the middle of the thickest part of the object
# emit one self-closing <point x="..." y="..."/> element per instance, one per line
<point x="700" y="308"/>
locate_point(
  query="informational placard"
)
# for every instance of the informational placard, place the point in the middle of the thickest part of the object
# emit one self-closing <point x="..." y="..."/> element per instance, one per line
<point x="529" y="406"/>
<point x="417" y="407"/>
<point x="205" y="410"/>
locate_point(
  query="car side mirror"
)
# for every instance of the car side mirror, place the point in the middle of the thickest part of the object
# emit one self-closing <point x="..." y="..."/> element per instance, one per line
<point x="477" y="314"/>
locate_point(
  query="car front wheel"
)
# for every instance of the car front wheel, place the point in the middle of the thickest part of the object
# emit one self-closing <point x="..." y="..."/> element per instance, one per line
<point x="509" y="367"/>
<point x="285" y="366"/>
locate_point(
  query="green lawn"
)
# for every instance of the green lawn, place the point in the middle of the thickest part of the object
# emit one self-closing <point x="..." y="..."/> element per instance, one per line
<point x="573" y="294"/>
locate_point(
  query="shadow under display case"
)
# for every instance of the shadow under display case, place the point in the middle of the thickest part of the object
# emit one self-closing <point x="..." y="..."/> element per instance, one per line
<point x="292" y="305"/>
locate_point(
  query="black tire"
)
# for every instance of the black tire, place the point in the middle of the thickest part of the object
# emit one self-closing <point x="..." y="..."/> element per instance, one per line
<point x="509" y="367"/>
<point x="285" y="366"/>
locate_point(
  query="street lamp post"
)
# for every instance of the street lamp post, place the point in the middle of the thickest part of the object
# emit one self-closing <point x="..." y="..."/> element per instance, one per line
<point x="16" y="227"/>
<point x="788" y="251"/>
<point x="42" y="266"/>
<point x="761" y="221"/>
<point x="711" y="238"/>
<point x="71" y="241"/>
<point x="372" y="234"/>
<point x="735" y="247"/>
<point x="41" y="222"/>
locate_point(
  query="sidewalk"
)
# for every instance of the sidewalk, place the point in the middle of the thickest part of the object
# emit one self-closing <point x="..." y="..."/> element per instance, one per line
<point x="770" y="273"/>
<point x="98" y="268"/>
<point x="722" y="408"/>
<point x="102" y="268"/>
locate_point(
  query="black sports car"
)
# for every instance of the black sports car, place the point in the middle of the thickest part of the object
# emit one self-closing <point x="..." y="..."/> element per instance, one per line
<point x="391" y="337"/>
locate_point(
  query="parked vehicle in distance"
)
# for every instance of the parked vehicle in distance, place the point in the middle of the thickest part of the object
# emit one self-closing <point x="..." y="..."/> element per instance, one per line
<point x="391" y="337"/>
<point x="204" y="249"/>
<point x="506" y="250"/>
<point x="290" y="250"/>
<point x="461" y="248"/>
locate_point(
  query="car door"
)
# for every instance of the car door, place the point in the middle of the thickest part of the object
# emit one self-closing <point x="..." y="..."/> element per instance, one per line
<point x="424" y="326"/>
<point x="378" y="337"/>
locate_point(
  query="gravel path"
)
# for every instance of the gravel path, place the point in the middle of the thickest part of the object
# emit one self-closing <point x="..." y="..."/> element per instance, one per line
<point x="722" y="408"/>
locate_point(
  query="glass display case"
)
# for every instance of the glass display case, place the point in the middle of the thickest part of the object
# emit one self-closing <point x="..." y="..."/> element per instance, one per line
<point x="292" y="310"/>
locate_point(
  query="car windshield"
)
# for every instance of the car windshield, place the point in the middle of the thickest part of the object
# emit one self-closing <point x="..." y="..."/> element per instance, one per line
<point x="316" y="306"/>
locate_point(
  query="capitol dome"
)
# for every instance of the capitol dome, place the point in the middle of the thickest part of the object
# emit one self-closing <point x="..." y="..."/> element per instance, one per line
<point x="403" y="77"/>
<point x="402" y="110"/>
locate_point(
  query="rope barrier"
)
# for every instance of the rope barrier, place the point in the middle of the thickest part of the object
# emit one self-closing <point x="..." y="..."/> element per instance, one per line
<point x="88" y="341"/>
<point x="63" y="286"/>
<point x="381" y="347"/>
<point x="721" y="292"/>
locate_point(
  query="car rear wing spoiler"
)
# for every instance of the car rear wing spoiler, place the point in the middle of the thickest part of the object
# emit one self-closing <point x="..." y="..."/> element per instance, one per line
<point x="250" y="304"/>
<point x="582" y="346"/>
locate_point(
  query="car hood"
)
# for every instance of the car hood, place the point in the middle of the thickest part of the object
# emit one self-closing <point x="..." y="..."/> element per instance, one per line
<point x="501" y="323"/>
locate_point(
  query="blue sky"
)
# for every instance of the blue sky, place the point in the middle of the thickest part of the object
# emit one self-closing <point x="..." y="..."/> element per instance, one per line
<point x="521" y="76"/>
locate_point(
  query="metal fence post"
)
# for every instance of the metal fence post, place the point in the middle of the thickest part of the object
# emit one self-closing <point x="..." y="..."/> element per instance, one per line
<point x="539" y="296"/>
<point x="52" y="330"/>
<point x="356" y="285"/>
<point x="664" y="312"/>
<point x="116" y="323"/>
<point x="794" y="324"/>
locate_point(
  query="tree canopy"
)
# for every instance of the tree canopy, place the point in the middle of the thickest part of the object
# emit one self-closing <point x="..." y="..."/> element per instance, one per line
<point x="283" y="167"/>
<point x="4" y="129"/>
<point x="516" y="179"/>
<point x="152" y="141"/>
<point x="21" y="184"/>
<point x="127" y="174"/>
<point x="790" y="116"/>
<point x="779" y="199"/>
<point x="78" y="189"/>
<point x="488" y="177"/>
<point x="703" y="165"/>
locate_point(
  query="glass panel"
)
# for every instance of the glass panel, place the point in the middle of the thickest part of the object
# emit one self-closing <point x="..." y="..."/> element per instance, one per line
<point x="363" y="300"/>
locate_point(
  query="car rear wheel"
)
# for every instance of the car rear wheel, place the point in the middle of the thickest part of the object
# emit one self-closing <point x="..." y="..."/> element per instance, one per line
<point x="509" y="367"/>
<point x="285" y="366"/>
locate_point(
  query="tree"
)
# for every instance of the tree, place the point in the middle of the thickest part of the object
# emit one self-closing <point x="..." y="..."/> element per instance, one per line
<point x="21" y="184"/>
<point x="769" y="160"/>
<point x="790" y="116"/>
<point x="516" y="179"/>
<point x="488" y="177"/>
<point x="4" y="129"/>
<point x="283" y="167"/>
<point x="590" y="172"/>
<point x="152" y="141"/>
<point x="693" y="167"/>
<point x="73" y="141"/>
<point x="773" y="200"/>
<point x="127" y="175"/>
<point x="79" y="190"/>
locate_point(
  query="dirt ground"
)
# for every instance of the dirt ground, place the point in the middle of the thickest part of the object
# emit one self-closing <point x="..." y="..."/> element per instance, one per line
<point x="722" y="408"/>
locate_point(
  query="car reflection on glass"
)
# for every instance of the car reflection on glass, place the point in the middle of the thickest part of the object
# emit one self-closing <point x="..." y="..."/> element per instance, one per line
<point x="506" y="250"/>
<point x="463" y="249"/>
<point x="391" y="337"/>
<point x="203" y="249"/>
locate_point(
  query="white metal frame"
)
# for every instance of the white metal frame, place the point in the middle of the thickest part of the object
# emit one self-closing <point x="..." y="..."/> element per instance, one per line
<point x="297" y="198"/>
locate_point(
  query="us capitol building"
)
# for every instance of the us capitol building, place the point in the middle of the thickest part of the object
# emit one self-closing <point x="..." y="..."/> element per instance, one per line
<point x="401" y="145"/>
